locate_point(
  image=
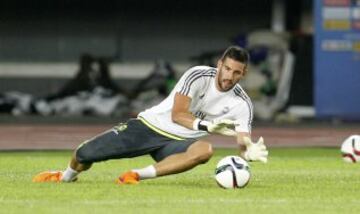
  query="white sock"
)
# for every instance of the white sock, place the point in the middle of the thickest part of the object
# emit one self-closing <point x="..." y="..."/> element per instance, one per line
<point x="146" y="173"/>
<point x="69" y="174"/>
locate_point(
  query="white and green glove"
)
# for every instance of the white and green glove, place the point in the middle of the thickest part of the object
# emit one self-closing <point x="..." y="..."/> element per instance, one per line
<point x="255" y="151"/>
<point x="223" y="126"/>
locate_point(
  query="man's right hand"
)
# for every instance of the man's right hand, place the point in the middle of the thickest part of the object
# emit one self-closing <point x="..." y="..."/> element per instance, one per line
<point x="224" y="126"/>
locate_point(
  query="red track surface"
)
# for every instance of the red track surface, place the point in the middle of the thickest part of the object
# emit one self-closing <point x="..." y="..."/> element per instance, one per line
<point x="32" y="137"/>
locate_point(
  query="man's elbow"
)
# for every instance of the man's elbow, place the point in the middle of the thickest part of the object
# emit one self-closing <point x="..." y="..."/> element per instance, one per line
<point x="175" y="117"/>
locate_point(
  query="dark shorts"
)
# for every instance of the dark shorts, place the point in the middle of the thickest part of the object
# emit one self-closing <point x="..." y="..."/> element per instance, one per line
<point x="127" y="140"/>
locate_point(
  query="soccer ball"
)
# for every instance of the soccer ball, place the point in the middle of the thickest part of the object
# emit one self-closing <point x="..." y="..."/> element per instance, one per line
<point x="232" y="172"/>
<point x="350" y="149"/>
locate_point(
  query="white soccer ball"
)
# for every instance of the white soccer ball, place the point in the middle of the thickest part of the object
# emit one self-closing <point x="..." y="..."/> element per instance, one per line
<point x="232" y="172"/>
<point x="350" y="149"/>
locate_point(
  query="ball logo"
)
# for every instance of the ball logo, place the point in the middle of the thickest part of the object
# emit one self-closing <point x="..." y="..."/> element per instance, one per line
<point x="356" y="152"/>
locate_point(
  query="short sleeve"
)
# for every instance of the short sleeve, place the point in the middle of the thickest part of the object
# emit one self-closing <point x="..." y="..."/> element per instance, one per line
<point x="243" y="122"/>
<point x="191" y="82"/>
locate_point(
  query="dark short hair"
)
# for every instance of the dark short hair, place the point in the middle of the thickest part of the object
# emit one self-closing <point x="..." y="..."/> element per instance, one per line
<point x="236" y="53"/>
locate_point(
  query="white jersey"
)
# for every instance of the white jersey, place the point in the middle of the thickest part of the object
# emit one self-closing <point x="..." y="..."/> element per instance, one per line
<point x="207" y="103"/>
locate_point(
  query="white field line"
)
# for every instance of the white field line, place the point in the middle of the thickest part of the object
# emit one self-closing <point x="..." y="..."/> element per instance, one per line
<point x="68" y="70"/>
<point x="151" y="201"/>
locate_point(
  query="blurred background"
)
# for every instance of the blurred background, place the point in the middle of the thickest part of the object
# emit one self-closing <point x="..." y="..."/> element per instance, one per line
<point x="72" y="60"/>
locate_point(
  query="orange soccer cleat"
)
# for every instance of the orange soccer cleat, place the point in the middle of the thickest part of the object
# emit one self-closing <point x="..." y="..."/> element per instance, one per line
<point x="128" y="178"/>
<point x="48" y="176"/>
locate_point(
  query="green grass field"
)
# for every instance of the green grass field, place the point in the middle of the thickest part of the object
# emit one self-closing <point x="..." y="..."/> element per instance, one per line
<point x="301" y="180"/>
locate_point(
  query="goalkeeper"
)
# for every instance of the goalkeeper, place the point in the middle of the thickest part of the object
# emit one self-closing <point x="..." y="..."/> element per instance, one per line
<point x="205" y="100"/>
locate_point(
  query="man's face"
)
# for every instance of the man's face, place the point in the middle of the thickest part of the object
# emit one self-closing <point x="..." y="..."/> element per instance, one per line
<point x="229" y="73"/>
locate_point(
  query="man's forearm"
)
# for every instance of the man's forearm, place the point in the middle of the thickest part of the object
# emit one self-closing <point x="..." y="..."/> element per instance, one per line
<point x="241" y="143"/>
<point x="185" y="119"/>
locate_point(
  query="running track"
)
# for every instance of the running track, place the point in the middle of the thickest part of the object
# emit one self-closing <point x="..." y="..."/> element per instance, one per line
<point x="59" y="137"/>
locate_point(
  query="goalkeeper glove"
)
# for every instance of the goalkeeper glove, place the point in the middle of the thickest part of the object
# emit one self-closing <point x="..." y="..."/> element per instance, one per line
<point x="223" y="126"/>
<point x="255" y="151"/>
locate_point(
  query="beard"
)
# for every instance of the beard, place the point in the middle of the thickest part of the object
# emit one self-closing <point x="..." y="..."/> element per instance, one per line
<point x="225" y="84"/>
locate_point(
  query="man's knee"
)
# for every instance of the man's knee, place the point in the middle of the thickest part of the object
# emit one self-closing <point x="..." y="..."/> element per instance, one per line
<point x="201" y="152"/>
<point x="84" y="155"/>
